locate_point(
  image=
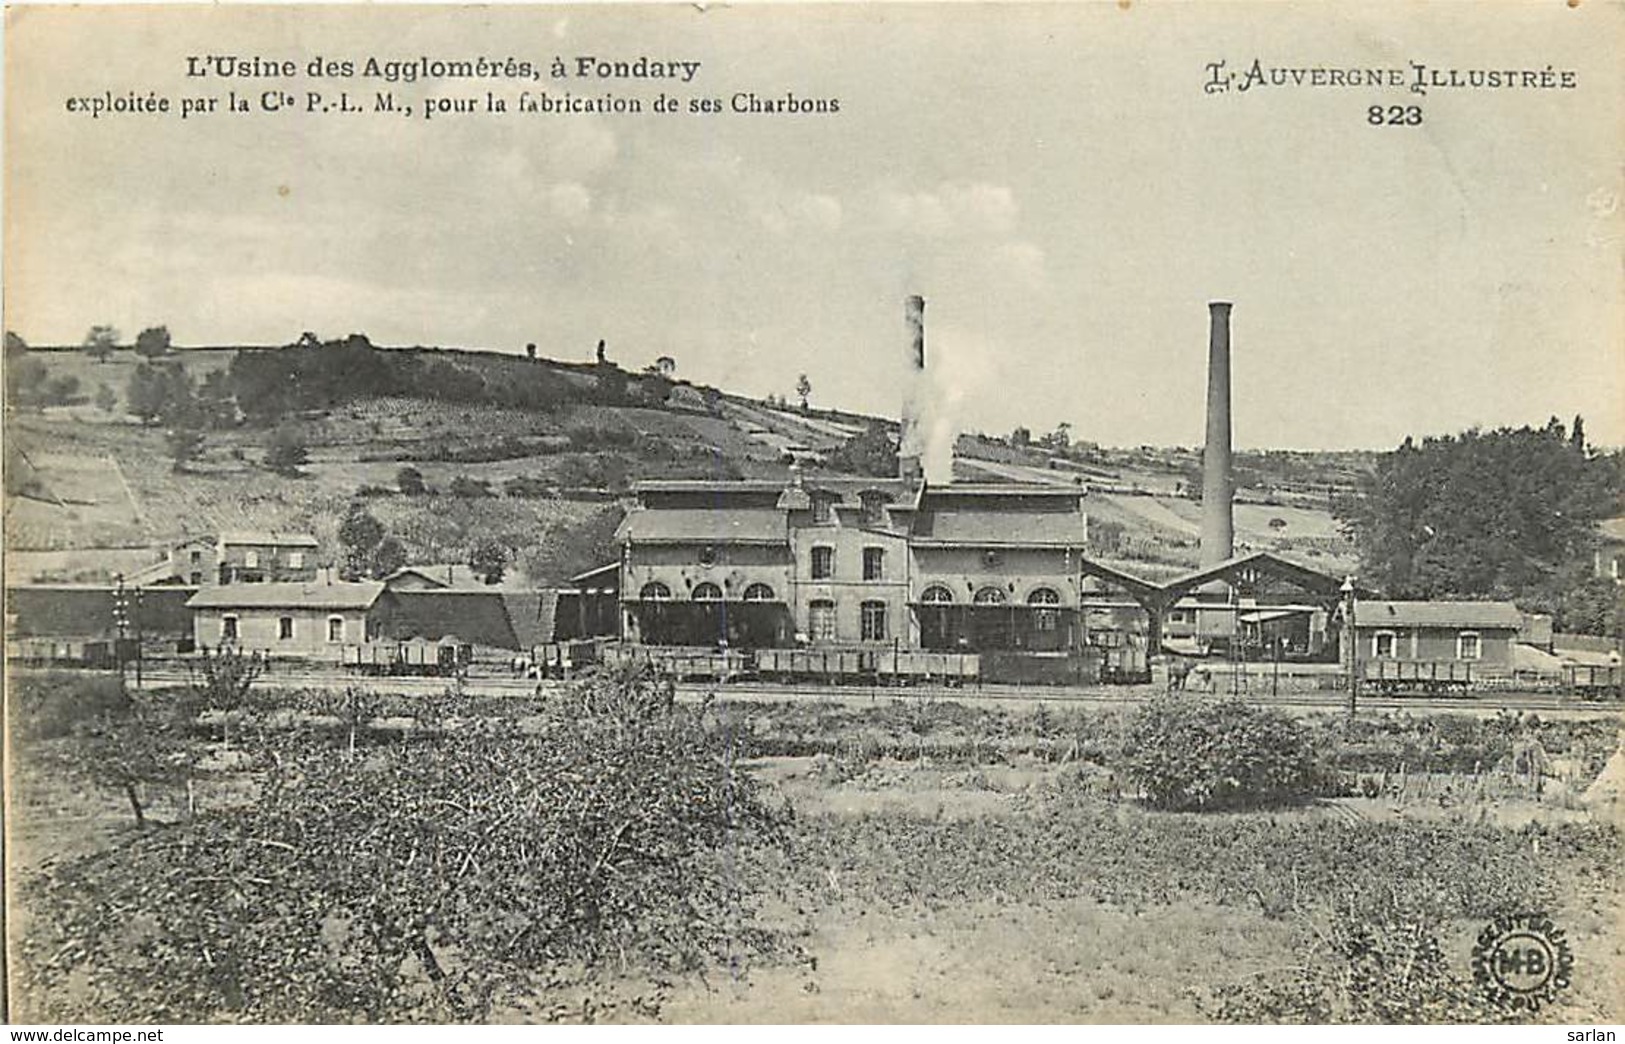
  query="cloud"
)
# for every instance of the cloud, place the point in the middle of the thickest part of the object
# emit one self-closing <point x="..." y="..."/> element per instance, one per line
<point x="952" y="209"/>
<point x="569" y="201"/>
<point x="803" y="212"/>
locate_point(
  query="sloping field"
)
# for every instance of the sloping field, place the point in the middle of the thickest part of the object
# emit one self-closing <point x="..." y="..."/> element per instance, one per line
<point x="84" y="501"/>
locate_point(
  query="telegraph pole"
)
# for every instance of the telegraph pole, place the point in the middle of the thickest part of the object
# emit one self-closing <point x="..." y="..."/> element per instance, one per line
<point x="1353" y="640"/>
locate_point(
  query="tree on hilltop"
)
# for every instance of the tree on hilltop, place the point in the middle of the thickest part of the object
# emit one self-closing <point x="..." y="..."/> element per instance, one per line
<point x="100" y="342"/>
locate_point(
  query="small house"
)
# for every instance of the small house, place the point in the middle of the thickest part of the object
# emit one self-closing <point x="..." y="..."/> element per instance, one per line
<point x="310" y="620"/>
<point x="1480" y="633"/>
<point x="254" y="557"/>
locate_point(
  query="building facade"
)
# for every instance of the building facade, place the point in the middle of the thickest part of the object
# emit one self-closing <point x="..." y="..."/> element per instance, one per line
<point x="313" y="621"/>
<point x="1478" y="633"/>
<point x="266" y="557"/>
<point x="854" y="562"/>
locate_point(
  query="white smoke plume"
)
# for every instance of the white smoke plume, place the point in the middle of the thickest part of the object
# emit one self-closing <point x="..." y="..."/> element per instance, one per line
<point x="958" y="364"/>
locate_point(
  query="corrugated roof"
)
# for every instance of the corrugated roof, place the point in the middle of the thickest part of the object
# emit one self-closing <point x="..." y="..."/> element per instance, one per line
<point x="337" y="595"/>
<point x="1000" y="528"/>
<point x="266" y="536"/>
<point x="701" y="526"/>
<point x="1503" y="615"/>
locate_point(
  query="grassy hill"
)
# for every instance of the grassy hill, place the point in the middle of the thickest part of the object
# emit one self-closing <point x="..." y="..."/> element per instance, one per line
<point x="85" y="476"/>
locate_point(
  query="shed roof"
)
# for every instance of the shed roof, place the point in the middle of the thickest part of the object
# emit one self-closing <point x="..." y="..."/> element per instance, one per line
<point x="337" y="595"/>
<point x="701" y="526"/>
<point x="455" y="576"/>
<point x="951" y="528"/>
<point x="1493" y="615"/>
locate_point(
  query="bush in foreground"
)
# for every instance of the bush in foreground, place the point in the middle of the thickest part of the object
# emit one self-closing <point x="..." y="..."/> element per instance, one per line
<point x="424" y="880"/>
<point x="1189" y="753"/>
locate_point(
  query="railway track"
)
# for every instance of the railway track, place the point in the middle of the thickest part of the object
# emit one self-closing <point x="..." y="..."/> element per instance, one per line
<point x="1483" y="704"/>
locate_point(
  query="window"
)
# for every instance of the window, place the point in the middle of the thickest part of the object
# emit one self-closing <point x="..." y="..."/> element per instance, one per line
<point x="296" y="560"/>
<point x="758" y="593"/>
<point x="1469" y="646"/>
<point x="936" y="594"/>
<point x="1177" y="616"/>
<point x="654" y="591"/>
<point x="821" y="620"/>
<point x="874" y="563"/>
<point x="823" y="563"/>
<point x="874" y="507"/>
<point x="251" y="559"/>
<point x="823" y="508"/>
<point x="989" y="596"/>
<point x="228" y="628"/>
<point x="196" y="579"/>
<point x="1385" y="645"/>
<point x="1046" y="617"/>
<point x="284" y="629"/>
<point x="197" y="556"/>
<point x="708" y="556"/>
<point x="873" y="616"/>
<point x="707" y="592"/>
<point x="335" y="628"/>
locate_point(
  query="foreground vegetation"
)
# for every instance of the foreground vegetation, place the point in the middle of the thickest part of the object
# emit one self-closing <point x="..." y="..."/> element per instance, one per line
<point x="608" y="853"/>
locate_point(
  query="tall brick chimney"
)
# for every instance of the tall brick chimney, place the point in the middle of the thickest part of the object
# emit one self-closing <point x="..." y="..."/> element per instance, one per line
<point x="911" y="441"/>
<point x="1218" y="486"/>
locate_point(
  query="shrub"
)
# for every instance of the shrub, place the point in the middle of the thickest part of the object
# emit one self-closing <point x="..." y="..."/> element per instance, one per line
<point x="464" y="486"/>
<point x="1186" y="753"/>
<point x="1390" y="970"/>
<point x="49" y="705"/>
<point x="423" y="880"/>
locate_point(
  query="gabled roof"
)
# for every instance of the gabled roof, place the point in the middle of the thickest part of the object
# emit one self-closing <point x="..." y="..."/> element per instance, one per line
<point x="1266" y="561"/>
<point x="337" y="595"/>
<point x="268" y="537"/>
<point x="1492" y="615"/>
<point x="702" y="526"/>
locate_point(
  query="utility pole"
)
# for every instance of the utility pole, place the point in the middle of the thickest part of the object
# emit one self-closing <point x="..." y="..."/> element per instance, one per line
<point x="121" y="625"/>
<point x="1352" y="635"/>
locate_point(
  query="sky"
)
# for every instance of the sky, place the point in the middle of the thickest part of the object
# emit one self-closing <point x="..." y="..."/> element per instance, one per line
<point x="1053" y="179"/>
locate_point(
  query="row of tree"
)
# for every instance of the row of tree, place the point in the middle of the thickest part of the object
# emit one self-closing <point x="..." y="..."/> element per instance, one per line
<point x="1506" y="514"/>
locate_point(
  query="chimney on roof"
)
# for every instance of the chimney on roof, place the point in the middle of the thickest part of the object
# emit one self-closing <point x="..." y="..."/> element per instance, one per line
<point x="1218" y="486"/>
<point x="911" y="439"/>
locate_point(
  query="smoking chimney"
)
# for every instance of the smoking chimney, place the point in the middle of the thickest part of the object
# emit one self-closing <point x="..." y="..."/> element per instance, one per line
<point x="911" y="441"/>
<point x="1218" y="528"/>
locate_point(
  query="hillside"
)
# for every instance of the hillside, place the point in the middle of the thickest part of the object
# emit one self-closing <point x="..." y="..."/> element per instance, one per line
<point x="533" y="449"/>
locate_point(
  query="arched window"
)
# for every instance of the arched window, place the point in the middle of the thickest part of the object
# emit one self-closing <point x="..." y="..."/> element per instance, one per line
<point x="758" y="593"/>
<point x="707" y="592"/>
<point x="655" y="591"/>
<point x="989" y="596"/>
<point x="1045" y="599"/>
<point x="936" y="594"/>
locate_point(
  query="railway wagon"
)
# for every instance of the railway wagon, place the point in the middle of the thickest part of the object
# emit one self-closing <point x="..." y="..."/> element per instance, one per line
<point x="97" y="653"/>
<point x="1594" y="682"/>
<point x="444" y="659"/>
<point x="680" y="661"/>
<point x="563" y="659"/>
<point x="929" y="668"/>
<point x="1426" y="677"/>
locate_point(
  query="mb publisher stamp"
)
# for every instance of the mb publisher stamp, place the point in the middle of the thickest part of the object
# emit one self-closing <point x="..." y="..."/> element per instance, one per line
<point x="1522" y="961"/>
